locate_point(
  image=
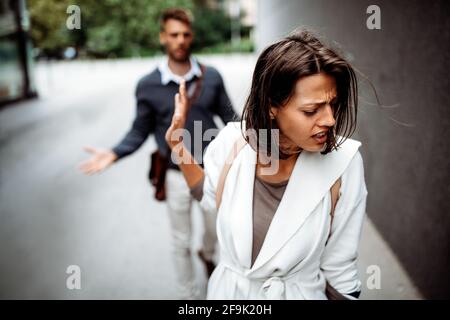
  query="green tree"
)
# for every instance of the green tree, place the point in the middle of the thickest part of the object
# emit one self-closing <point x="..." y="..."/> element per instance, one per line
<point x="119" y="28"/>
<point x="48" y="24"/>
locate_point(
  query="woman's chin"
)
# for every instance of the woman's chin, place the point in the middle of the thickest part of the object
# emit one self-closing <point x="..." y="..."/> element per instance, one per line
<point x="315" y="148"/>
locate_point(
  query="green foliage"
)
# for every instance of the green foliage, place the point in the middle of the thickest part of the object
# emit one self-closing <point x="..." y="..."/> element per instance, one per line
<point x="119" y="28"/>
<point x="211" y="27"/>
<point x="48" y="29"/>
<point x="246" y="45"/>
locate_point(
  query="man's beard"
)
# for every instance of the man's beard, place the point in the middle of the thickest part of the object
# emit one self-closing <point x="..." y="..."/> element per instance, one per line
<point x="176" y="58"/>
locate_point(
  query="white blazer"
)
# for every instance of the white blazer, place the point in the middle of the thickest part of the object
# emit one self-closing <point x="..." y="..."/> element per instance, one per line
<point x="294" y="261"/>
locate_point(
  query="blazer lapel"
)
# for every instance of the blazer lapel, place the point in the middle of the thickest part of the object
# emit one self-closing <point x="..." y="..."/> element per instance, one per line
<point x="312" y="176"/>
<point x="241" y="203"/>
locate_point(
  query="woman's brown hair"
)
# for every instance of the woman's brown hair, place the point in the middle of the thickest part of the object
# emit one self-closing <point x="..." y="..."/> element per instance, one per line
<point x="276" y="72"/>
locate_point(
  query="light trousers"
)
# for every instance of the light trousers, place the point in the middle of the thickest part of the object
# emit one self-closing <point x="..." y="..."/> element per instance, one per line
<point x="179" y="202"/>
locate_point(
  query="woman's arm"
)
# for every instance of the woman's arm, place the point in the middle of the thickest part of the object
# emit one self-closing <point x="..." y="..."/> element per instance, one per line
<point x="339" y="259"/>
<point x="192" y="171"/>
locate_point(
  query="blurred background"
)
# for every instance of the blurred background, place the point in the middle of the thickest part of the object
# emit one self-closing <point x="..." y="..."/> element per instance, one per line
<point x="62" y="88"/>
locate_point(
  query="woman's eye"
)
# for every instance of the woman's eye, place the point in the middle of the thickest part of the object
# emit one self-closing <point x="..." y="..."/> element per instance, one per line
<point x="310" y="113"/>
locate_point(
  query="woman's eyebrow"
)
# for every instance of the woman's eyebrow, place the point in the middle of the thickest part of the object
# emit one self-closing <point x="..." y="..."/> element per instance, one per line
<point x="309" y="103"/>
<point x="312" y="103"/>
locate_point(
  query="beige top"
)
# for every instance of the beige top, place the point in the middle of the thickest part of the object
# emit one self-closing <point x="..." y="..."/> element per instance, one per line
<point x="266" y="198"/>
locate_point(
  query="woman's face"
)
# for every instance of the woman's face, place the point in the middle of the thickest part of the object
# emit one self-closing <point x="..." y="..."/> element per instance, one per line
<point x="306" y="118"/>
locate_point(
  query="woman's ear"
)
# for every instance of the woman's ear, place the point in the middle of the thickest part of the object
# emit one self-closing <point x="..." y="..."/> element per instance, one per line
<point x="273" y="112"/>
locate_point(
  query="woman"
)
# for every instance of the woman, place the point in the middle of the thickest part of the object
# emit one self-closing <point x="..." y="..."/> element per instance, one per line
<point x="282" y="232"/>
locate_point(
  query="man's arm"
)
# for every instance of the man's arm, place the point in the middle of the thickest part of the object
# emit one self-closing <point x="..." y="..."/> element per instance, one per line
<point x="143" y="125"/>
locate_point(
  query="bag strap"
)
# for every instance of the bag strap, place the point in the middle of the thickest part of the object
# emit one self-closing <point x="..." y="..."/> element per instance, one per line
<point x="237" y="146"/>
<point x="198" y="85"/>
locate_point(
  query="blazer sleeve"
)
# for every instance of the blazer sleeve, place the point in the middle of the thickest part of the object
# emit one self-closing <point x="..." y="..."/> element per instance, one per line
<point x="143" y="125"/>
<point x="339" y="259"/>
<point x="213" y="161"/>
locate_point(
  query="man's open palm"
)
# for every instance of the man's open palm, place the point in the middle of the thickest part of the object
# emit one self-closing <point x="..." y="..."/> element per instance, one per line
<point x="99" y="161"/>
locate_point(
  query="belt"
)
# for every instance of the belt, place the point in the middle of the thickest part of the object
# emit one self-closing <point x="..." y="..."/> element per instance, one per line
<point x="272" y="288"/>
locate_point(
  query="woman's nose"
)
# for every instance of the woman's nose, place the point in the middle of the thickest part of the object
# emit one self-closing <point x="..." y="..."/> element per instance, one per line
<point x="327" y="118"/>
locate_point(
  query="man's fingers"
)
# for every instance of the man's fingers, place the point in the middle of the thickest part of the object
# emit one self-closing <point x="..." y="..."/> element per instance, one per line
<point x="92" y="166"/>
<point x="90" y="149"/>
<point x="86" y="170"/>
<point x="92" y="170"/>
<point x="89" y="166"/>
<point x="85" y="165"/>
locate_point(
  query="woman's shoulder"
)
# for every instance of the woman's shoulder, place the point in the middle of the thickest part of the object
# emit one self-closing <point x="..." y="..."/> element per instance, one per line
<point x="347" y="151"/>
<point x="233" y="127"/>
<point x="221" y="145"/>
<point x="353" y="175"/>
<point x="228" y="134"/>
<point x="346" y="159"/>
<point x="347" y="144"/>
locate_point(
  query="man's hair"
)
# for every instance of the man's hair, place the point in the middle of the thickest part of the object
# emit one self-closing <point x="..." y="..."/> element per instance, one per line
<point x="276" y="72"/>
<point x="182" y="15"/>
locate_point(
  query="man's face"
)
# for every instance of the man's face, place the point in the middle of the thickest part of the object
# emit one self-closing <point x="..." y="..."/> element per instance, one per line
<point x="177" y="39"/>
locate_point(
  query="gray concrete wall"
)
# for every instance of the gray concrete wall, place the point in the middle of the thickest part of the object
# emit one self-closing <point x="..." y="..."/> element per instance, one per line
<point x="405" y="148"/>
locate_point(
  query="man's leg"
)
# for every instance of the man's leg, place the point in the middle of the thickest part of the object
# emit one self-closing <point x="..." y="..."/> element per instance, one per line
<point x="179" y="203"/>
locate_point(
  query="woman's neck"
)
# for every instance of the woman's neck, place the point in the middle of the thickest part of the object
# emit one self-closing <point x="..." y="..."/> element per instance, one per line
<point x="283" y="172"/>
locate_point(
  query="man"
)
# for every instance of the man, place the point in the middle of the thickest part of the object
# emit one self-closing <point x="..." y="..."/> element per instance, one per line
<point x="155" y="106"/>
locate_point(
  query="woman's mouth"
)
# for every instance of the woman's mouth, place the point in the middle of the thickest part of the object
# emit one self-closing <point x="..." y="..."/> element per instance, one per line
<point x="320" y="137"/>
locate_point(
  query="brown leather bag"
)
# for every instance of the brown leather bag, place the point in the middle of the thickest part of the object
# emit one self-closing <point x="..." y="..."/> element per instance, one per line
<point x="157" y="174"/>
<point x="160" y="163"/>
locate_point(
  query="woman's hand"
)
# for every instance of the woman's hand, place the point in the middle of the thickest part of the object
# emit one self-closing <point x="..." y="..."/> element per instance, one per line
<point x="179" y="116"/>
<point x="192" y="172"/>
